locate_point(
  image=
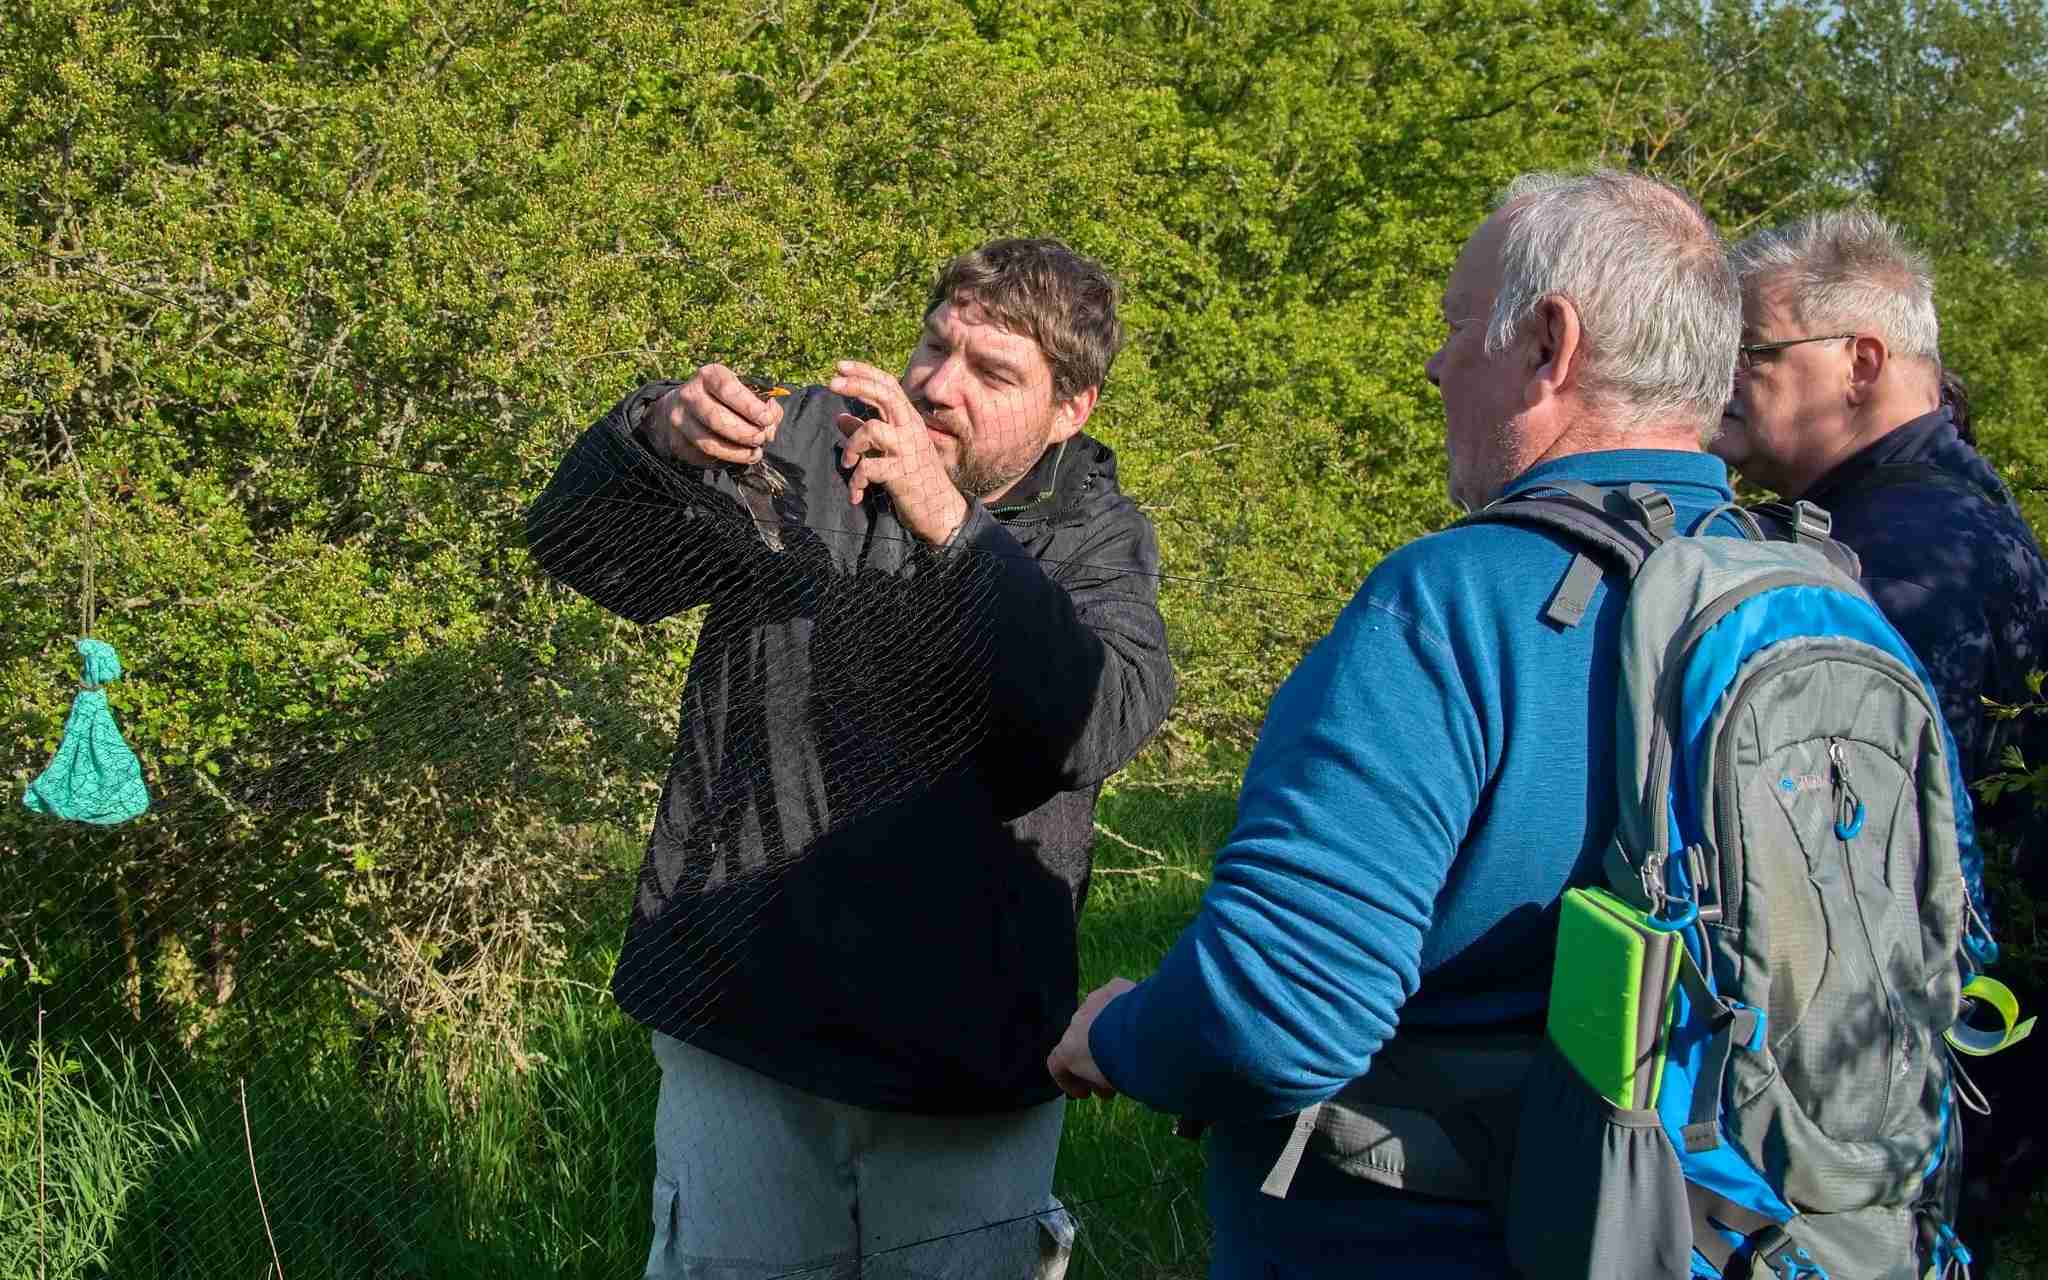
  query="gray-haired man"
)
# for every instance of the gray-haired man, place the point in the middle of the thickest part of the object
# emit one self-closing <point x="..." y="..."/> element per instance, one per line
<point x="1838" y="400"/>
<point x="1439" y="769"/>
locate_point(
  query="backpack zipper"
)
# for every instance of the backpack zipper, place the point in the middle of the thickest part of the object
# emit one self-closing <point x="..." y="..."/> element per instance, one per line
<point x="1849" y="814"/>
<point x="1848" y="805"/>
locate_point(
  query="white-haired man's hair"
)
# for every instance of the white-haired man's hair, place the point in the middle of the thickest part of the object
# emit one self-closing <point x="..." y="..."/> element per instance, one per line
<point x="1659" y="306"/>
<point x="1849" y="270"/>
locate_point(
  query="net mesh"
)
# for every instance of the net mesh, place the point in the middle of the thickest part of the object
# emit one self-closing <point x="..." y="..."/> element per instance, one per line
<point x="302" y="310"/>
<point x="342" y="1001"/>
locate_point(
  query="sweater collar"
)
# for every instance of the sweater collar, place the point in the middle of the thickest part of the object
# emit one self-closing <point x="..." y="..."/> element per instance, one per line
<point x="1698" y="476"/>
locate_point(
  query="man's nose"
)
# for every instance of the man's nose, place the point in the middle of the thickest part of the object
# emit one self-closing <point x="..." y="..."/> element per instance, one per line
<point x="943" y="386"/>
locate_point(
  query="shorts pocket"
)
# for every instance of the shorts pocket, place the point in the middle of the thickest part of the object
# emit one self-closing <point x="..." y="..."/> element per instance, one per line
<point x="662" y="1262"/>
<point x="1595" y="1192"/>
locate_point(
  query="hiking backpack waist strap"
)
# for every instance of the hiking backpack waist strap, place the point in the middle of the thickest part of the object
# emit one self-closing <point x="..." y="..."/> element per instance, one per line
<point x="1434" y="1116"/>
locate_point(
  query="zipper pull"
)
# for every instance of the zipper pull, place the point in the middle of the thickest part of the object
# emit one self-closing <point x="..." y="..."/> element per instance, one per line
<point x="1848" y="805"/>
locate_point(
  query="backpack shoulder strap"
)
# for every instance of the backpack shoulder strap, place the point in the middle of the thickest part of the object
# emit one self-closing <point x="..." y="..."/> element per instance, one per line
<point x="1805" y="523"/>
<point x="1613" y="529"/>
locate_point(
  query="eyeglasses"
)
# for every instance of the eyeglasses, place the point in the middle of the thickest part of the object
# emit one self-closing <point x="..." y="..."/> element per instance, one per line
<point x="1746" y="356"/>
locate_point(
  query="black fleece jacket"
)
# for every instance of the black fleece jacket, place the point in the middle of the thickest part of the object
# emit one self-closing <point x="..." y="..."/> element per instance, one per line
<point x="874" y="839"/>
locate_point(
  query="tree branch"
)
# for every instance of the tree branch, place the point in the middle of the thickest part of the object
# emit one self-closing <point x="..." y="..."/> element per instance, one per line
<point x="810" y="87"/>
<point x="1516" y="100"/>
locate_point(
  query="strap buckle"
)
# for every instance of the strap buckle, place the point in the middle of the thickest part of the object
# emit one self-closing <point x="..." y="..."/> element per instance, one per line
<point x="1772" y="1252"/>
<point x="1706" y="886"/>
<point x="1654" y="508"/>
<point x="1798" y="1264"/>
<point x="1811" y="523"/>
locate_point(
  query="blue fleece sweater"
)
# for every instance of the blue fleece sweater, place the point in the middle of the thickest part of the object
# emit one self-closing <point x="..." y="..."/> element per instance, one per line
<point x="1429" y="781"/>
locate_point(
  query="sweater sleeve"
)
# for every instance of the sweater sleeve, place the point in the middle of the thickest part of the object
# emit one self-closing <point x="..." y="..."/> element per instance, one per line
<point x="1359" y="793"/>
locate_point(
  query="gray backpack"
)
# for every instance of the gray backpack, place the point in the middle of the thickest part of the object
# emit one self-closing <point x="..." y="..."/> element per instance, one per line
<point x="1789" y="814"/>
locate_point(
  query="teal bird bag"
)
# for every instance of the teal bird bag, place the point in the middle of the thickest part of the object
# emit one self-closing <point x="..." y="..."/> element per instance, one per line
<point x="94" y="777"/>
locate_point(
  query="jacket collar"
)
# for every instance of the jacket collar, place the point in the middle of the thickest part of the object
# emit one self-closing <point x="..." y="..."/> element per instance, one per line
<point x="1920" y="440"/>
<point x="1056" y="482"/>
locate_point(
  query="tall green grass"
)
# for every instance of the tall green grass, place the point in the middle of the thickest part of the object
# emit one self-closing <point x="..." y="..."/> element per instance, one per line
<point x="540" y="1163"/>
<point x="536" y="1166"/>
<point x="80" y="1137"/>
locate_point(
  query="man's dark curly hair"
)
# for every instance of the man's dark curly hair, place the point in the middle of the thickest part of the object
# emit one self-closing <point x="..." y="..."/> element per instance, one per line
<point x="1044" y="290"/>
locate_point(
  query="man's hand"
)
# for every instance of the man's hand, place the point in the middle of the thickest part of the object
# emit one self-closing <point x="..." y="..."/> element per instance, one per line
<point x="895" y="452"/>
<point x="713" y="418"/>
<point x="1072" y="1062"/>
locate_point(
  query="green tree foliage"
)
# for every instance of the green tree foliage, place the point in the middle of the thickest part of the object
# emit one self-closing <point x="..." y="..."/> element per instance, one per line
<point x="1934" y="112"/>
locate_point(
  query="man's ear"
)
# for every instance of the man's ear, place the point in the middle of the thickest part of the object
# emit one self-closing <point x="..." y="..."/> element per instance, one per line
<point x="1556" y="343"/>
<point x="1866" y="365"/>
<point x="1071" y="414"/>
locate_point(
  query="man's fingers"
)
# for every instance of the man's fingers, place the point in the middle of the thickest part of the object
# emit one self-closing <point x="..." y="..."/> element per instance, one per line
<point x="1076" y="1082"/>
<point x="871" y="469"/>
<point x="724" y="387"/>
<point x="862" y="440"/>
<point x="866" y="471"/>
<point x="866" y="382"/>
<point x="720" y="418"/>
<point x="671" y="429"/>
<point x="851" y="454"/>
<point x="694" y="445"/>
<point x="859" y="373"/>
<point x="716" y="429"/>
<point x="1069" y="1083"/>
<point x="866" y="452"/>
<point x="724" y="451"/>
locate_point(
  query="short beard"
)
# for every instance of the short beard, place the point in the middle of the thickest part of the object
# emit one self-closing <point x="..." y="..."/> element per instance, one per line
<point x="976" y="478"/>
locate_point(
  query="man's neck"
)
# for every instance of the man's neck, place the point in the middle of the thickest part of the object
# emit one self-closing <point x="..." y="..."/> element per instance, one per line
<point x="1600" y="435"/>
<point x="1867" y="424"/>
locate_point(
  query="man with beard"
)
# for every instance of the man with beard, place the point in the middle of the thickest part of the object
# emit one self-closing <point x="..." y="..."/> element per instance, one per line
<point x="932" y="634"/>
